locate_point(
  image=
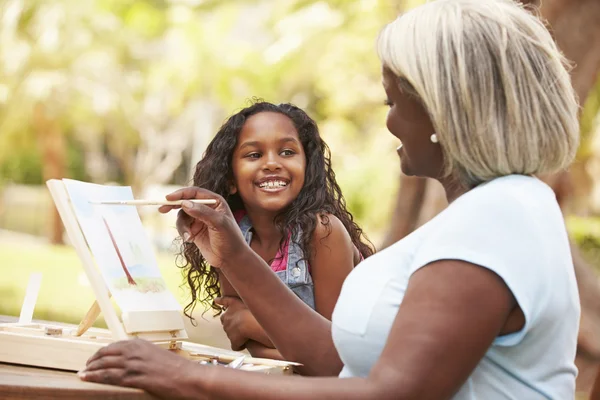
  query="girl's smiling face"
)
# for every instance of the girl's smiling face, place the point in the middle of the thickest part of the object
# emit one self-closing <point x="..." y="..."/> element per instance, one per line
<point x="268" y="163"/>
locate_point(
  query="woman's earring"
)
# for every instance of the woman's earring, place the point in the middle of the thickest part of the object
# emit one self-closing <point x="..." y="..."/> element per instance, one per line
<point x="433" y="138"/>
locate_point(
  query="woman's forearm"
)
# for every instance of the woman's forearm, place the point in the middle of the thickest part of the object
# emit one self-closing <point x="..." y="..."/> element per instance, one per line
<point x="215" y="383"/>
<point x="298" y="332"/>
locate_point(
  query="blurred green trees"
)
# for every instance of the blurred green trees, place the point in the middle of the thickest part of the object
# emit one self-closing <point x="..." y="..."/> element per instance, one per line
<point x="131" y="91"/>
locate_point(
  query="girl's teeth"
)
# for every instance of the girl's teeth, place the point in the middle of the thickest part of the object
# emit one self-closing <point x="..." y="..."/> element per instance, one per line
<point x="272" y="184"/>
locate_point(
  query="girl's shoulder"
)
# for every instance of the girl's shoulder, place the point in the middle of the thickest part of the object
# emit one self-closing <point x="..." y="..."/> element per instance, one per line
<point x="331" y="239"/>
<point x="328" y="224"/>
<point x="330" y="231"/>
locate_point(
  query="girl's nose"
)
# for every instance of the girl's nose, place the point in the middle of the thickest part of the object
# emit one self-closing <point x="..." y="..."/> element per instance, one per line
<point x="271" y="163"/>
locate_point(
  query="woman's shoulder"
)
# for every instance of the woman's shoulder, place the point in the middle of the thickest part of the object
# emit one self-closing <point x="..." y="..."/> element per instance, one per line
<point x="519" y="196"/>
<point x="513" y="215"/>
<point x="511" y="186"/>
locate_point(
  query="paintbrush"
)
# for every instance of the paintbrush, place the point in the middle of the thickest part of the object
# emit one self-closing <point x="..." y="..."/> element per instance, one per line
<point x="152" y="202"/>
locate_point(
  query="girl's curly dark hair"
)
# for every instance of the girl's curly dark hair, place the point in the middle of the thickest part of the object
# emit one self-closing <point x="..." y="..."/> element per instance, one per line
<point x="319" y="195"/>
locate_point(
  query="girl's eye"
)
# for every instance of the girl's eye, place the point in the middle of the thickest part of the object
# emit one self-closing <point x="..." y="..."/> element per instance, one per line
<point x="253" y="155"/>
<point x="388" y="102"/>
<point x="288" y="152"/>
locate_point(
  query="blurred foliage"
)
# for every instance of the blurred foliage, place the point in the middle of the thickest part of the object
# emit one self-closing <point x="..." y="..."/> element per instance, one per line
<point x="586" y="233"/>
<point x="23" y="164"/>
<point x="589" y="121"/>
<point x="137" y="88"/>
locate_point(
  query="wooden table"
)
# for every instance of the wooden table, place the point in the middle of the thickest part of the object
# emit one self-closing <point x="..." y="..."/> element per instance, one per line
<point x="23" y="382"/>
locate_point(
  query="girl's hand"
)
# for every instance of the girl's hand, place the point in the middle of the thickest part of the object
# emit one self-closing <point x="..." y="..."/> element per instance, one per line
<point x="237" y="321"/>
<point x="212" y="228"/>
<point x="139" y="364"/>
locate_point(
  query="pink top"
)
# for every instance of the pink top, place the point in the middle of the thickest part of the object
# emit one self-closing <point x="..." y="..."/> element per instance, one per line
<point x="280" y="261"/>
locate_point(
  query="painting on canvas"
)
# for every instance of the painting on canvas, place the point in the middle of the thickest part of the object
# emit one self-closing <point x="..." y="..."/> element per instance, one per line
<point x="120" y="246"/>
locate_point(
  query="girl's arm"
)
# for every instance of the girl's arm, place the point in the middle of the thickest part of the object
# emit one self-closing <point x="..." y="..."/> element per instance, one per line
<point x="259" y="350"/>
<point x="331" y="262"/>
<point x="226" y="288"/>
<point x="240" y="328"/>
<point x="240" y="325"/>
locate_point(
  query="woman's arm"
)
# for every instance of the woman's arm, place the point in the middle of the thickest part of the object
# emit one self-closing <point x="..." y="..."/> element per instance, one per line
<point x="331" y="262"/>
<point x="450" y="315"/>
<point x="298" y="332"/>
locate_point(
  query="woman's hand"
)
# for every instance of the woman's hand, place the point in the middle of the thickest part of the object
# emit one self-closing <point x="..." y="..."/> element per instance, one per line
<point x="238" y="323"/>
<point x="212" y="228"/>
<point x="140" y="364"/>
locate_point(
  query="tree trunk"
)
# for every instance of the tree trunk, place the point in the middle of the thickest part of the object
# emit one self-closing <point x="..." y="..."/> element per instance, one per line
<point x="53" y="148"/>
<point x="575" y="25"/>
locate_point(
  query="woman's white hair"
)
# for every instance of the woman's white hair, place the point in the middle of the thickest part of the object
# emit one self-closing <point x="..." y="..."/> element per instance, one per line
<point x="494" y="83"/>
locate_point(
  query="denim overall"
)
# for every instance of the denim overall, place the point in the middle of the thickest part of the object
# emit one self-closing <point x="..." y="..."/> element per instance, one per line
<point x="296" y="275"/>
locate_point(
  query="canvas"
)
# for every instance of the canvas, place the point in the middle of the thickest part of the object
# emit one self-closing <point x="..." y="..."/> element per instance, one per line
<point x="120" y="247"/>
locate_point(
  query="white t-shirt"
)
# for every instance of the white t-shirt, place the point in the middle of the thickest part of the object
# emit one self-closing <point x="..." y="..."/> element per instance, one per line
<point x="512" y="226"/>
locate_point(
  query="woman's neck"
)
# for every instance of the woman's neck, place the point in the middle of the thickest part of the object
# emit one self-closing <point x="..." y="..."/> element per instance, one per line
<point x="453" y="188"/>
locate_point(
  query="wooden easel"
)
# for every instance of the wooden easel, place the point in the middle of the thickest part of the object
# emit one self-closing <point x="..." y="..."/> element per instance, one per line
<point x="69" y="348"/>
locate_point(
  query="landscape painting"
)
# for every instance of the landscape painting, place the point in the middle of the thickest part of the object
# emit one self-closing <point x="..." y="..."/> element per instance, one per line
<point x="120" y="246"/>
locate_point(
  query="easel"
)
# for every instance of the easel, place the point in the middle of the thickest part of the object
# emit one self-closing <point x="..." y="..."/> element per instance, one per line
<point x="69" y="347"/>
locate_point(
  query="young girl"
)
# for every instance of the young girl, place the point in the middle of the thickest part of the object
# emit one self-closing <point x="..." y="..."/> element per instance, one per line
<point x="271" y="165"/>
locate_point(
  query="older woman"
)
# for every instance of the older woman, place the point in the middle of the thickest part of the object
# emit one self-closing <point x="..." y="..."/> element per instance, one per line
<point x="479" y="303"/>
